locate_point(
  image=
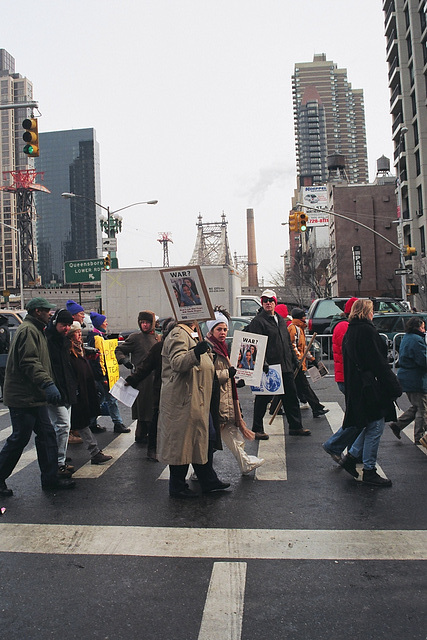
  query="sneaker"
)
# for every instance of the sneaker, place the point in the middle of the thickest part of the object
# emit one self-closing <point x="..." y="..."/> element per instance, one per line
<point x="423" y="440"/>
<point x="393" y="426"/>
<point x="334" y="456"/>
<point x="65" y="471"/>
<point x="4" y="491"/>
<point x="100" y="458"/>
<point x="72" y="439"/>
<point x="370" y="476"/>
<point x="253" y="466"/>
<point x="299" y="432"/>
<point x="119" y="427"/>
<point x="97" y="428"/>
<point x="348" y="463"/>
<point x="304" y="405"/>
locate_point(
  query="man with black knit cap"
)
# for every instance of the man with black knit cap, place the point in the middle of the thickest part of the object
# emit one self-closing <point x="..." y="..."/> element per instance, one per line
<point x="28" y="389"/>
<point x="279" y="351"/>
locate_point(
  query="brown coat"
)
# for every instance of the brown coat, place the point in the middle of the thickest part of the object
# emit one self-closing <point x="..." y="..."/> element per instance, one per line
<point x="183" y="427"/>
<point x="137" y="345"/>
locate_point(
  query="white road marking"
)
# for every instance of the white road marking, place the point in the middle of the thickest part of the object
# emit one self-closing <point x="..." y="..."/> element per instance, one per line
<point x="231" y="544"/>
<point x="274" y="453"/>
<point x="223" y="611"/>
<point x="116" y="448"/>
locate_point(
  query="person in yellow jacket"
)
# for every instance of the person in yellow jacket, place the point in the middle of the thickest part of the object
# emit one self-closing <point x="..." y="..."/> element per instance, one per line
<point x="297" y="333"/>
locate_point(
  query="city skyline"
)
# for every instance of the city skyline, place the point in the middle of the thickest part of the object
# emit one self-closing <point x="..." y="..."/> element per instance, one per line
<point x="192" y="105"/>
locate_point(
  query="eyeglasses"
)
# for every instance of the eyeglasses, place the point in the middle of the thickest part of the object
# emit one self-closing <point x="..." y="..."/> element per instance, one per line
<point x="265" y="300"/>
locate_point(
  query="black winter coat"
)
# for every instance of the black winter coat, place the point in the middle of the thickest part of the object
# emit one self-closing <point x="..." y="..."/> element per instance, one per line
<point x="63" y="375"/>
<point x="365" y="357"/>
<point x="87" y="405"/>
<point x="279" y="347"/>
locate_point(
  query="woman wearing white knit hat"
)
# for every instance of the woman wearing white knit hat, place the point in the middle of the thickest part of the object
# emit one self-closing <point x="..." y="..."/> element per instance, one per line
<point x="233" y="427"/>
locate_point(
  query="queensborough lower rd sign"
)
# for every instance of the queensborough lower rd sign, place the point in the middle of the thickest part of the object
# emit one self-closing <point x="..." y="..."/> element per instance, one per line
<point x="83" y="270"/>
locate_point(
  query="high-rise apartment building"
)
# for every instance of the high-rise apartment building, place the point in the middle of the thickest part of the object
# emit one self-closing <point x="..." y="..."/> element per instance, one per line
<point x="406" y="49"/>
<point x="329" y="118"/>
<point x="13" y="89"/>
<point x="68" y="229"/>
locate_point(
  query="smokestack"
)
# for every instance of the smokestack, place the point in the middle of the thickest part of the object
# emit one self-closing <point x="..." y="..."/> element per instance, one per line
<point x="252" y="262"/>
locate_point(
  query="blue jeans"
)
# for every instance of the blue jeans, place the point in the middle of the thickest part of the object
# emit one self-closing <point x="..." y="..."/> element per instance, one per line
<point x="366" y="445"/>
<point x="343" y="437"/>
<point x="60" y="417"/>
<point x="24" y="422"/>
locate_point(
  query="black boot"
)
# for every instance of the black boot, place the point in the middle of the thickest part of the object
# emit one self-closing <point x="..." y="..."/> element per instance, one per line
<point x="348" y="463"/>
<point x="370" y="476"/>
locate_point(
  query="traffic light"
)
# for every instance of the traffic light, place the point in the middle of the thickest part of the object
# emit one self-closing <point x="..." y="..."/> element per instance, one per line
<point x="107" y="262"/>
<point x="303" y="218"/>
<point x="31" y="137"/>
<point x="409" y="251"/>
<point x="293" y="221"/>
<point x="412" y="289"/>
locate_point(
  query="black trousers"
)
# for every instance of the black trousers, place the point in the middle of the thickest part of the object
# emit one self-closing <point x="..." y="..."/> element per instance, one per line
<point x="306" y="393"/>
<point x="205" y="473"/>
<point x="290" y="405"/>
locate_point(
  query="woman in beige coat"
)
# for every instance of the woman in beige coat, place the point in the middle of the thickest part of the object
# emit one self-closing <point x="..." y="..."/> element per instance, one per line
<point x="233" y="427"/>
<point x="183" y="428"/>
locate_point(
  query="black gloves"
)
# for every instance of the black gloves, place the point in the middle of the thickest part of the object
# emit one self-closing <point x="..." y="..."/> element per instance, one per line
<point x="52" y="394"/>
<point x="265" y="368"/>
<point x="201" y="347"/>
<point x="232" y="372"/>
<point x="128" y="364"/>
<point x="240" y="383"/>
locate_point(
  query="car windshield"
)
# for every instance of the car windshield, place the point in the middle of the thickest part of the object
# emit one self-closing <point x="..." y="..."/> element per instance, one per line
<point x="328" y="309"/>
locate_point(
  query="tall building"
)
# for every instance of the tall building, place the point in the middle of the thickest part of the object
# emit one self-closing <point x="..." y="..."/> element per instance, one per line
<point x="329" y="118"/>
<point x="68" y="229"/>
<point x="406" y="50"/>
<point x="13" y="89"/>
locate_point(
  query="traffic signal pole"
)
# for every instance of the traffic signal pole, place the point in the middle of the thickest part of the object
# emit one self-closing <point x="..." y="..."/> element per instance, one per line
<point x="401" y="249"/>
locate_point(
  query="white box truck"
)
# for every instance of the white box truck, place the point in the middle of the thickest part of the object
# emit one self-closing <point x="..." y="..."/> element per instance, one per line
<point x="126" y="292"/>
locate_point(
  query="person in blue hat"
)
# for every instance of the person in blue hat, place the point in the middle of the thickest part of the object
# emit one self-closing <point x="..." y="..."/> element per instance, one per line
<point x="94" y="339"/>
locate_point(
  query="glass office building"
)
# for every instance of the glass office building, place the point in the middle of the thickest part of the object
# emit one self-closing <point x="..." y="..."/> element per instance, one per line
<point x="68" y="229"/>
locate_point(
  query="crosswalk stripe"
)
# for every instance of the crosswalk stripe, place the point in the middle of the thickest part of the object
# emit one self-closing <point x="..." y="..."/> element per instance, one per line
<point x="274" y="453"/>
<point x="116" y="448"/>
<point x="231" y="544"/>
<point x="223" y="610"/>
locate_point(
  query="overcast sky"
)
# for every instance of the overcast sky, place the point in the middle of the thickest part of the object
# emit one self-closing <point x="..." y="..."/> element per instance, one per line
<point x="191" y="101"/>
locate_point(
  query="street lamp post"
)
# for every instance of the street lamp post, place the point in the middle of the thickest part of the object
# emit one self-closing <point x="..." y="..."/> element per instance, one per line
<point x="21" y="282"/>
<point x="403" y="132"/>
<point x="112" y="223"/>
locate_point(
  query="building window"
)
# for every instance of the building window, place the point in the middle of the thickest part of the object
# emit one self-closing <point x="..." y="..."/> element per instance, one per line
<point x="422" y="242"/>
<point x="414" y="104"/>
<point x="416" y="136"/>
<point x="420" y="200"/>
<point x="417" y="163"/>
<point x="411" y="74"/>
<point x="409" y="46"/>
<point x="407" y="21"/>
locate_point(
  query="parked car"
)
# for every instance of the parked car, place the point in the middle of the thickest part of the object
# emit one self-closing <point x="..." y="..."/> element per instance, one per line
<point x="14" y="318"/>
<point x="392" y="324"/>
<point x="322" y="310"/>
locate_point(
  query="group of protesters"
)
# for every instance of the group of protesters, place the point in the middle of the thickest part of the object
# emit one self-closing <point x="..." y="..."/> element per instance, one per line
<point x="188" y="404"/>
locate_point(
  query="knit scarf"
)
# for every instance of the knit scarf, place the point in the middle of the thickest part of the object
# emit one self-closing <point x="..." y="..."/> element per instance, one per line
<point x="221" y="349"/>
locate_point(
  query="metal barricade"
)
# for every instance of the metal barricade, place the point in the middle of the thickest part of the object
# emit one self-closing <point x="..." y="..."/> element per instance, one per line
<point x="322" y="351"/>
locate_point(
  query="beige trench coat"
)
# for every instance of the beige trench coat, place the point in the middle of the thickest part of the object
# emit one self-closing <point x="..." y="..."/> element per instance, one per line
<point x="183" y="427"/>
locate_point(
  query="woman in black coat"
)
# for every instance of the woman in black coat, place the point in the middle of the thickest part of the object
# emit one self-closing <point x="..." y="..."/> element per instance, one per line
<point x="370" y="390"/>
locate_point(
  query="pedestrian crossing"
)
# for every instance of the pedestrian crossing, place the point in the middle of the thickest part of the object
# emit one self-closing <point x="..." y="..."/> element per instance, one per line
<point x="272" y="450"/>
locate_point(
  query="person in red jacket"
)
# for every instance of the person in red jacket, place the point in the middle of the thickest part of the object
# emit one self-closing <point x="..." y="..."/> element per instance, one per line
<point x="343" y="437"/>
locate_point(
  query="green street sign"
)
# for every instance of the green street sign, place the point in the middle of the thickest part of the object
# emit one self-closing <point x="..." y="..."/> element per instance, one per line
<point x="83" y="270"/>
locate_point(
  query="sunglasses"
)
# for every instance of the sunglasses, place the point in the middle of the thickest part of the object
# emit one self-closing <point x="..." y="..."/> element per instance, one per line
<point x="264" y="300"/>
